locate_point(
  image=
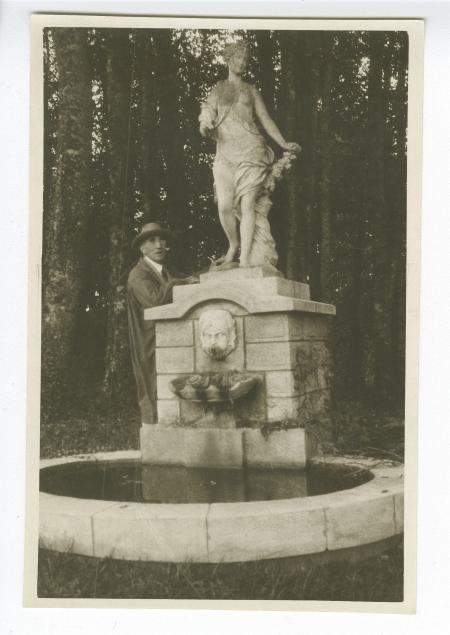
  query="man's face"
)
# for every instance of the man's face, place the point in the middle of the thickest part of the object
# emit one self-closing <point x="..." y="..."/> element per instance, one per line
<point x="155" y="248"/>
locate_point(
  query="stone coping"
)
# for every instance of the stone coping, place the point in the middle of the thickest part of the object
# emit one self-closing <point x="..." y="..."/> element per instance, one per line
<point x="237" y="273"/>
<point x="225" y="532"/>
<point x="252" y="302"/>
<point x="262" y="288"/>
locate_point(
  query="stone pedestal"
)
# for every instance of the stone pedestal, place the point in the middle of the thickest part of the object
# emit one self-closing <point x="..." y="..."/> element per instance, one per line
<point x="281" y="336"/>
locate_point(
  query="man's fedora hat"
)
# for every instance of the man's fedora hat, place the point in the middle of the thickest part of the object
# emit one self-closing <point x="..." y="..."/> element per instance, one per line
<point x="148" y="230"/>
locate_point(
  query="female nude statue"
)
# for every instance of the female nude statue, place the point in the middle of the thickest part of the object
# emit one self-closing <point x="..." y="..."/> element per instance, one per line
<point x="243" y="161"/>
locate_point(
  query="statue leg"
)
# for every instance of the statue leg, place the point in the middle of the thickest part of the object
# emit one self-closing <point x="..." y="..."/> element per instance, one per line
<point x="248" y="221"/>
<point x="224" y="181"/>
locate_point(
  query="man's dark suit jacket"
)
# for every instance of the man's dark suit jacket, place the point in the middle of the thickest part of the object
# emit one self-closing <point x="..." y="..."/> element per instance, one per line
<point x="145" y="288"/>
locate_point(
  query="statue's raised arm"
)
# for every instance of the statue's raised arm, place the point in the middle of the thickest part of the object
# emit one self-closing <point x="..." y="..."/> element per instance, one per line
<point x="244" y="168"/>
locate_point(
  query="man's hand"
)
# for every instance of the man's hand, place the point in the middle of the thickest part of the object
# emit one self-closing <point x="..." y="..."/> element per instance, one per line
<point x="187" y="280"/>
<point x="192" y="280"/>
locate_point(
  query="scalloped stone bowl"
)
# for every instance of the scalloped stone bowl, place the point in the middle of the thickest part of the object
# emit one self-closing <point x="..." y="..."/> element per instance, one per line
<point x="322" y="525"/>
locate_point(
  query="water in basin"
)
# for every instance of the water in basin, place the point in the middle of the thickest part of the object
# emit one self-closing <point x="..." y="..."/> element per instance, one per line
<point x="134" y="482"/>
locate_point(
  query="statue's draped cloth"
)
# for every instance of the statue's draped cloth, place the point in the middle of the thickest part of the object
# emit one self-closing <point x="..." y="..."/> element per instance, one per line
<point x="243" y="151"/>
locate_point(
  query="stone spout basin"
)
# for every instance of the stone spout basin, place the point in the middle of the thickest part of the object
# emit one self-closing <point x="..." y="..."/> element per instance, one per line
<point x="214" y="387"/>
<point x="111" y="505"/>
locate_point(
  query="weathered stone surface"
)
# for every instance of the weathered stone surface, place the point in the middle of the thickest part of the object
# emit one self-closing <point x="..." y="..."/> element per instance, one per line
<point x="217" y="329"/>
<point x="281" y="383"/>
<point x="311" y="445"/>
<point x="231" y="307"/>
<point x="233" y="361"/>
<point x="65" y="523"/>
<point x="169" y="533"/>
<point x="239" y="273"/>
<point x="266" y="328"/>
<point x="248" y="299"/>
<point x="191" y="446"/>
<point x="313" y="404"/>
<point x="175" y="333"/>
<point x="399" y="512"/>
<point x="282" y="408"/>
<point x="284" y="528"/>
<point x="274" y="327"/>
<point x="281" y="448"/>
<point x="201" y="415"/>
<point x="250" y="410"/>
<point x="311" y="361"/>
<point x="359" y="519"/>
<point x="308" y="327"/>
<point x="163" y="388"/>
<point x="168" y="411"/>
<point x="264" y="287"/>
<point x="230" y="532"/>
<point x="191" y="411"/>
<point x="174" y="360"/>
<point x="269" y="356"/>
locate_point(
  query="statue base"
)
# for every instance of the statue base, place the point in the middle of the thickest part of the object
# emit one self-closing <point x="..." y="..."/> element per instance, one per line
<point x="280" y="338"/>
<point x="226" y="448"/>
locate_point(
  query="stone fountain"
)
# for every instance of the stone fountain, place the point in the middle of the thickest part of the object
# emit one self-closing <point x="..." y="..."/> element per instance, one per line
<point x="242" y="362"/>
<point x="242" y="365"/>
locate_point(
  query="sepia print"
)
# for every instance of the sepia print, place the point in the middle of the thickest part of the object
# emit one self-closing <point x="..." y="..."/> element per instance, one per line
<point x="223" y="311"/>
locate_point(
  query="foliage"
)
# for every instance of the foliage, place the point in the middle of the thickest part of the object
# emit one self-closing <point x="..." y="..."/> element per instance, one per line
<point x="339" y="219"/>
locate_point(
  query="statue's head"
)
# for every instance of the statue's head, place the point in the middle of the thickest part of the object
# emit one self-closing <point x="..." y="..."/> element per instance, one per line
<point x="236" y="55"/>
<point x="217" y="333"/>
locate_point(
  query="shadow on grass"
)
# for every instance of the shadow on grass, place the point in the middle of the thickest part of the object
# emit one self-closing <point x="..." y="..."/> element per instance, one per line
<point x="378" y="579"/>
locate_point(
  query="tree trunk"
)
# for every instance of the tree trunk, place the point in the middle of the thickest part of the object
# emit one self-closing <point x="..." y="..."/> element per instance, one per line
<point x="176" y="205"/>
<point x="148" y="142"/>
<point x="65" y="220"/>
<point x="325" y="168"/>
<point x="309" y="97"/>
<point x="117" y="95"/>
<point x="266" y="54"/>
<point x="376" y="207"/>
<point x="398" y="299"/>
<point x="289" y="126"/>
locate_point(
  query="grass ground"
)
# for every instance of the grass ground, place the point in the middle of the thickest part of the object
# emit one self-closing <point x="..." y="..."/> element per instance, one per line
<point x="376" y="579"/>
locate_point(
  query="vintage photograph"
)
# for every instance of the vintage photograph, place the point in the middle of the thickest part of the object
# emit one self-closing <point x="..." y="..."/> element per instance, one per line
<point x="223" y="310"/>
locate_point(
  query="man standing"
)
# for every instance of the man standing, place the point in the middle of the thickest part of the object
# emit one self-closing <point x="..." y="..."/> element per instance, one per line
<point x="149" y="284"/>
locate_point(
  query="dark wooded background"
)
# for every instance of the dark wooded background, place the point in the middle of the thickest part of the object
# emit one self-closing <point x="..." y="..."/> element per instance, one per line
<point x="122" y="147"/>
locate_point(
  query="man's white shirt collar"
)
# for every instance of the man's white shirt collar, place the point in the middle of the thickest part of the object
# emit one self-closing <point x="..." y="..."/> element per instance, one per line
<point x="154" y="264"/>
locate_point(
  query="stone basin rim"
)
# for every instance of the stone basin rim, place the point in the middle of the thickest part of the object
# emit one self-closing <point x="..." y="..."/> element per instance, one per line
<point x="225" y="532"/>
<point x="379" y="468"/>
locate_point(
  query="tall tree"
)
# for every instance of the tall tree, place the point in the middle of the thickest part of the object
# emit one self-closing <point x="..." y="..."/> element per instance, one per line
<point x="122" y="146"/>
<point x="148" y="142"/>
<point x="377" y="347"/>
<point x="67" y="214"/>
<point x="295" y="268"/>
<point x="266" y="52"/>
<point x="118" y="87"/>
<point x="324" y="180"/>
<point x="172" y="136"/>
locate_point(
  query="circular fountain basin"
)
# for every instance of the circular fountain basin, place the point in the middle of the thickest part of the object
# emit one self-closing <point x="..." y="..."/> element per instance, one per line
<point x="110" y="505"/>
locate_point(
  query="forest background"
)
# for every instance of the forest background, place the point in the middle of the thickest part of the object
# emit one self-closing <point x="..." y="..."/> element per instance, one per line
<point x="122" y="147"/>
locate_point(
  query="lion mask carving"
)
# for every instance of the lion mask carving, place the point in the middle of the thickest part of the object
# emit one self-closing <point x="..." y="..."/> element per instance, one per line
<point x="217" y="333"/>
